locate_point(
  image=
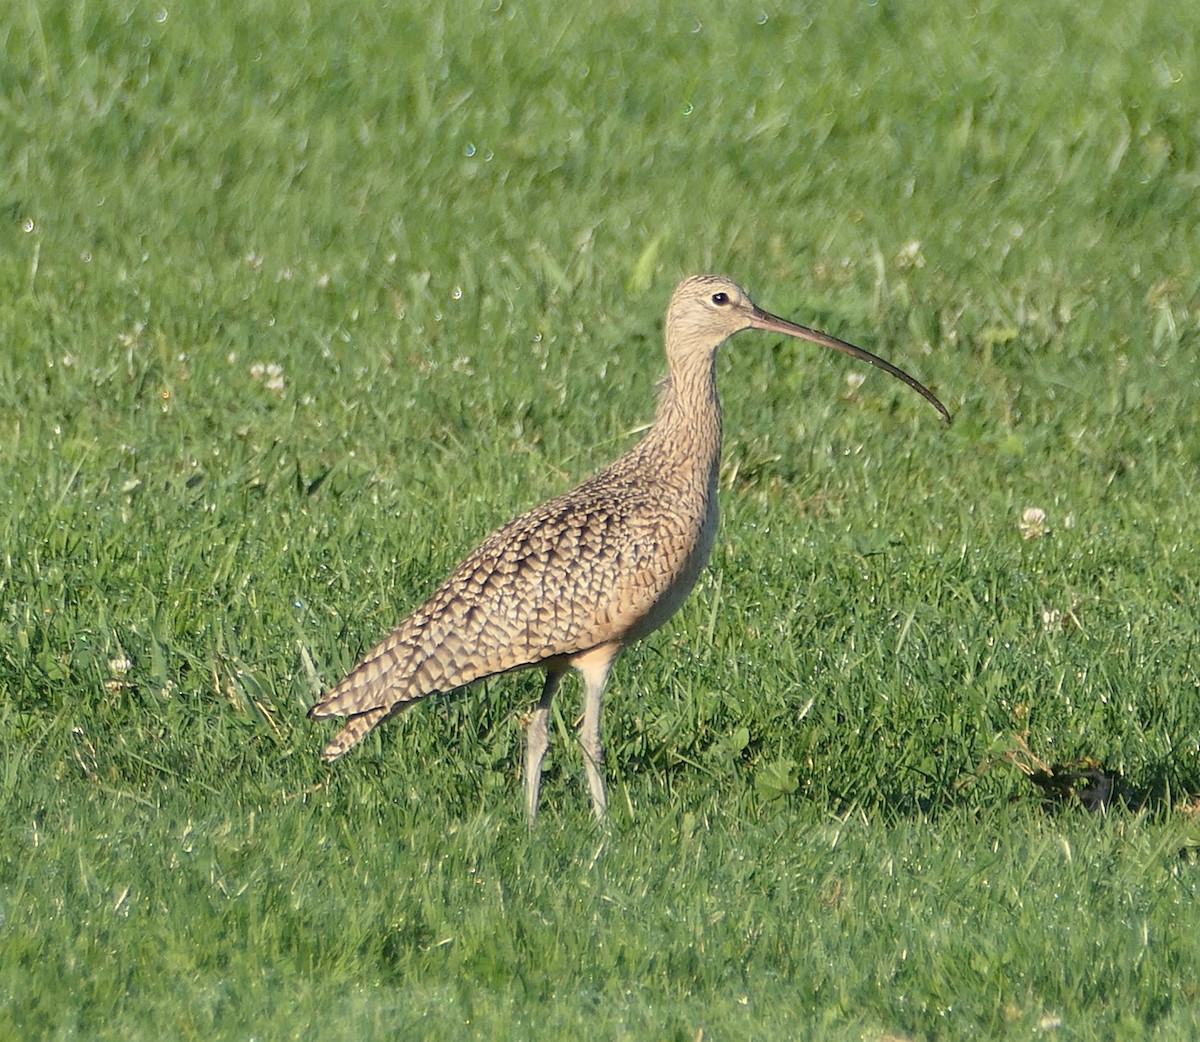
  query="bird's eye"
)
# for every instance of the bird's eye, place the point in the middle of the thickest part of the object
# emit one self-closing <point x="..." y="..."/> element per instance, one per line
<point x="720" y="299"/>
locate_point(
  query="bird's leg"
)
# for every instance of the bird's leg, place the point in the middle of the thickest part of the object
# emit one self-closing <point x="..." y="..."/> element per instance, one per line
<point x="537" y="741"/>
<point x="594" y="667"/>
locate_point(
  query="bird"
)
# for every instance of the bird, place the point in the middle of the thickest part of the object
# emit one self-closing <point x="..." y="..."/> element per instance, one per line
<point x="571" y="583"/>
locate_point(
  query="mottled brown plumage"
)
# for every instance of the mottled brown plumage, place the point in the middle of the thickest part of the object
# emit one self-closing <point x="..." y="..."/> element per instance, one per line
<point x="575" y="580"/>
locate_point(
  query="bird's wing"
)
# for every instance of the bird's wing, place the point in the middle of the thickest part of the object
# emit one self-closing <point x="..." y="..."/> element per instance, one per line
<point x="575" y="572"/>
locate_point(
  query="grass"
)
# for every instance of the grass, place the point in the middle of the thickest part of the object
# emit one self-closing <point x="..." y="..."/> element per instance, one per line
<point x="297" y="304"/>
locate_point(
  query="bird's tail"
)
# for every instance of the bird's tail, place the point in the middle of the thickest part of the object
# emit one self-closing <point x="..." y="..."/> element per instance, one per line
<point x="355" y="731"/>
<point x="378" y="687"/>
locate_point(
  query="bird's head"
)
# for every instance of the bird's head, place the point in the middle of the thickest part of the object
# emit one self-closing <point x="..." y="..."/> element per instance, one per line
<point x="706" y="310"/>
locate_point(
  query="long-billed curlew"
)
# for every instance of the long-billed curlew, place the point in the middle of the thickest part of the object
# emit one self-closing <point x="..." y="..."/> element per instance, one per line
<point x="575" y="580"/>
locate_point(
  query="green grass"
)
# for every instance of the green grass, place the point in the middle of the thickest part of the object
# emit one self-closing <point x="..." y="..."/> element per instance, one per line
<point x="453" y="231"/>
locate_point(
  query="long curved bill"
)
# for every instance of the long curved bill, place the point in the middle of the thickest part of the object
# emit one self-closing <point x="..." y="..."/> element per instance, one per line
<point x="760" y="319"/>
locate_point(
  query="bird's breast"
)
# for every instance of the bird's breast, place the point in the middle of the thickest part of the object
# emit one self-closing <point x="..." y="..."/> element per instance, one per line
<point x="682" y="544"/>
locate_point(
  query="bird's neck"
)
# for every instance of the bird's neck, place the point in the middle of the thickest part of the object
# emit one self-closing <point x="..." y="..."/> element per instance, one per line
<point x="687" y="425"/>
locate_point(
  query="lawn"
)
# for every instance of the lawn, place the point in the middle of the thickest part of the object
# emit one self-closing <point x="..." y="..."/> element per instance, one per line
<point x="298" y="302"/>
